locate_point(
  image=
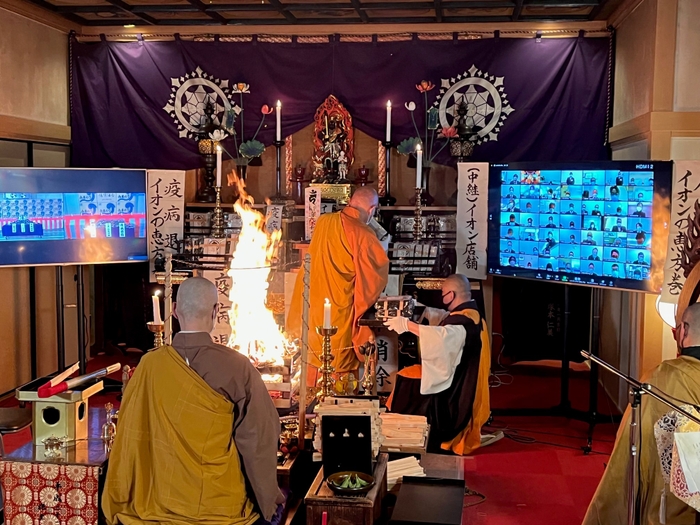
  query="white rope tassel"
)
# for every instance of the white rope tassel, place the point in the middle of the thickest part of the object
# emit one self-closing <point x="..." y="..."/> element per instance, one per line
<point x="304" y="347"/>
<point x="168" y="299"/>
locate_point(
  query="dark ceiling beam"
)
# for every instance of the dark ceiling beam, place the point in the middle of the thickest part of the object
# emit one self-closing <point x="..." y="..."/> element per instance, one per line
<point x="563" y="3"/>
<point x="438" y="10"/>
<point x="358" y="9"/>
<point x="283" y="11"/>
<point x="177" y="8"/>
<point x="109" y="22"/>
<point x="553" y="18"/>
<point x="62" y="9"/>
<point x="597" y="9"/>
<point x="128" y="9"/>
<point x="316" y="21"/>
<point x="517" y="10"/>
<point x="68" y="16"/>
<point x="374" y="6"/>
<point x="201" y="6"/>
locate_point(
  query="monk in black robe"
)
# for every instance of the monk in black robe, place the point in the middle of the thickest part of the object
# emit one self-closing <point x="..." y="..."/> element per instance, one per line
<point x="450" y="386"/>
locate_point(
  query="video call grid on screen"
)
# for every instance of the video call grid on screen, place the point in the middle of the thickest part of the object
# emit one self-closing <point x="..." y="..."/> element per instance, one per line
<point x="589" y="226"/>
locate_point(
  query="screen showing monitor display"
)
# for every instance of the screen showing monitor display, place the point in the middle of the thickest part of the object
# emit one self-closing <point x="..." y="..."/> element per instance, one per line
<point x="69" y="216"/>
<point x="582" y="223"/>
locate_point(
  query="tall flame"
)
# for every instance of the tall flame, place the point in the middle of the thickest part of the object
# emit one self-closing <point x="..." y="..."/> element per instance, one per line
<point x="254" y="331"/>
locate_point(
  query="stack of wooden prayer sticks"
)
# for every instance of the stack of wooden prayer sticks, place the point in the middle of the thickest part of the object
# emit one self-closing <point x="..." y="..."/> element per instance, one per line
<point x="403" y="431"/>
<point x="281" y="381"/>
<point x="396" y="470"/>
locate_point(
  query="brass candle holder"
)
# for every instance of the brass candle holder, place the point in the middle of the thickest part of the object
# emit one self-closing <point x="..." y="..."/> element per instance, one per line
<point x="158" y="331"/>
<point x="418" y="217"/>
<point x="217" y="225"/>
<point x="326" y="380"/>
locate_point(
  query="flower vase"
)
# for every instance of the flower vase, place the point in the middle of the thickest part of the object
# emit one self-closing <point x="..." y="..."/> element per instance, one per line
<point x="426" y="198"/>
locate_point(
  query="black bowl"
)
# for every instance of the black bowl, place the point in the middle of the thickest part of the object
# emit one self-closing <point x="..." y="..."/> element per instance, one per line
<point x="335" y="480"/>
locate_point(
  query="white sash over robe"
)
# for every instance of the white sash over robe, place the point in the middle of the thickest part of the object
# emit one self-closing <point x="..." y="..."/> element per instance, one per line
<point x="441" y="351"/>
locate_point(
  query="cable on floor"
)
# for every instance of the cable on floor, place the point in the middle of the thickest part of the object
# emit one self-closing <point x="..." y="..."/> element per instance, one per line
<point x="469" y="493"/>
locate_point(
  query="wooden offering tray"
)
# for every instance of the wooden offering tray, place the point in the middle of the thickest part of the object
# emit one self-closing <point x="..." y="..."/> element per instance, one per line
<point x="358" y="510"/>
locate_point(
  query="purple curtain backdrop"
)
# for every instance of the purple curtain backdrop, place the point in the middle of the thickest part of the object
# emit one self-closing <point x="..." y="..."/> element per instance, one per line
<point x="557" y="89"/>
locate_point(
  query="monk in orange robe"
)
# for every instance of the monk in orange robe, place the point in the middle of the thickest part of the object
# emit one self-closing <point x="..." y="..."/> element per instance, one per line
<point x="350" y="268"/>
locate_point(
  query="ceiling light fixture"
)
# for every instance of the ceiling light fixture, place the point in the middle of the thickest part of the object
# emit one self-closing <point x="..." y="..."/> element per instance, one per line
<point x="129" y="26"/>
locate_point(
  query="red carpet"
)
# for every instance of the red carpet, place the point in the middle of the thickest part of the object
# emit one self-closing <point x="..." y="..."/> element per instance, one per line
<point x="543" y="477"/>
<point x="536" y="475"/>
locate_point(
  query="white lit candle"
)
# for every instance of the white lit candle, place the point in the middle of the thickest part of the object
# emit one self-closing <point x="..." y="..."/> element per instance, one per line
<point x="218" y="166"/>
<point x="156" y="308"/>
<point x="327" y="314"/>
<point x="388" y="121"/>
<point x="419" y="166"/>
<point x="279" y="121"/>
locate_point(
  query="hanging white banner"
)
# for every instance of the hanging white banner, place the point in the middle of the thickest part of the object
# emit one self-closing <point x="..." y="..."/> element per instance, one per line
<point x="222" y="327"/>
<point x="312" y="209"/>
<point x="166" y="213"/>
<point x="683" y="231"/>
<point x="273" y="217"/>
<point x="472" y="218"/>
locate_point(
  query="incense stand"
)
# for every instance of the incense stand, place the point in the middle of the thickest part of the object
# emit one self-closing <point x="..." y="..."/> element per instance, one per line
<point x="387" y="200"/>
<point x="158" y="331"/>
<point x="418" y="217"/>
<point x="326" y="369"/>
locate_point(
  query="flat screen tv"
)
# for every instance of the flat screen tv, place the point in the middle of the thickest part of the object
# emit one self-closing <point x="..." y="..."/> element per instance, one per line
<point x="593" y="224"/>
<point x="72" y="216"/>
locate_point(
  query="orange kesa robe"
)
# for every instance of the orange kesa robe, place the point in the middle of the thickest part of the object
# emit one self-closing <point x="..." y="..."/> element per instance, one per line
<point x="349" y="267"/>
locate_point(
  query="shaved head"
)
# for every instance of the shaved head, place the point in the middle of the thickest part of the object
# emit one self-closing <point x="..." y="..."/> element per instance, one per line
<point x="364" y="197"/>
<point x="196" y="302"/>
<point x="691" y="326"/>
<point x="456" y="289"/>
<point x="366" y="200"/>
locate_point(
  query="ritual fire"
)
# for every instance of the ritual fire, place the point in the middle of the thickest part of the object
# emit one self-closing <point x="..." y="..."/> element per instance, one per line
<point x="254" y="331"/>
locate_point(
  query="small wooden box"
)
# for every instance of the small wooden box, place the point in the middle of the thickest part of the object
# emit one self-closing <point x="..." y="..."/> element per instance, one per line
<point x="346" y="510"/>
<point x="63" y="415"/>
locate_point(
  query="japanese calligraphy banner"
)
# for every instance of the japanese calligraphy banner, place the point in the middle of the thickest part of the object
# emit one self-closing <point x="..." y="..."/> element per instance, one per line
<point x="387" y="360"/>
<point x="166" y="212"/>
<point x="472" y="218"/>
<point x="312" y="210"/>
<point x="682" y="236"/>
<point x="273" y="217"/>
<point x="222" y="328"/>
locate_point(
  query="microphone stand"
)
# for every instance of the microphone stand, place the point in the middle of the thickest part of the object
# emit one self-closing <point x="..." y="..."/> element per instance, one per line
<point x="637" y="389"/>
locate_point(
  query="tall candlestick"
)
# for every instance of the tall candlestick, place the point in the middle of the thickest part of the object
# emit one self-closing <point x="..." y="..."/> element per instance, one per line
<point x="388" y="121"/>
<point x="327" y="314"/>
<point x="218" y="165"/>
<point x="419" y="166"/>
<point x="279" y="121"/>
<point x="156" y="308"/>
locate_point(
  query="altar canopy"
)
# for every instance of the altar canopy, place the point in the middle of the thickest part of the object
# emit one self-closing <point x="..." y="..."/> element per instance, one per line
<point x="137" y="104"/>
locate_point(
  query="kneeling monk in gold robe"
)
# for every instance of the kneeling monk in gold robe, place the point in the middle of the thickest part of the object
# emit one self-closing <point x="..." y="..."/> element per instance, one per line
<point x="350" y="268"/>
<point x="196" y="427"/>
<point x="680" y="379"/>
<point x="451" y="385"/>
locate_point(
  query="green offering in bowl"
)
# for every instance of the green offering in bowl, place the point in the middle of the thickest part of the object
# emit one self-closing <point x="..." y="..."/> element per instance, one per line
<point x="350" y="483"/>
